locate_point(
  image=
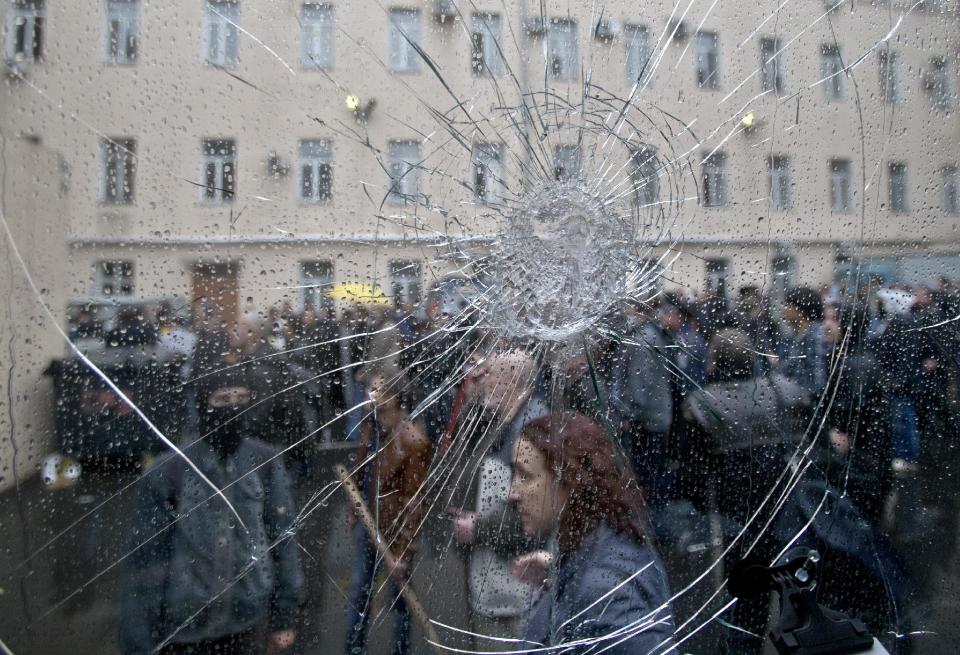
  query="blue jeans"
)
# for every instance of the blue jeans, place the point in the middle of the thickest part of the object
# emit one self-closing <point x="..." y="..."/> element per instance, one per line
<point x="906" y="429"/>
<point x="362" y="588"/>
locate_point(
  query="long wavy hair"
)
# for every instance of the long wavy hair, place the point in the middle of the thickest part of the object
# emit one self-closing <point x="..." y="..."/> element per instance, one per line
<point x="580" y="455"/>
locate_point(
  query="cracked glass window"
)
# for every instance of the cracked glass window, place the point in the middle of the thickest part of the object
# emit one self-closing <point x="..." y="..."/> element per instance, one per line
<point x="461" y="327"/>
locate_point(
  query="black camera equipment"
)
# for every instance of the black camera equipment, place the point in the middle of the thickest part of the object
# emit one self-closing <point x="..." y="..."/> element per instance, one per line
<point x="805" y="627"/>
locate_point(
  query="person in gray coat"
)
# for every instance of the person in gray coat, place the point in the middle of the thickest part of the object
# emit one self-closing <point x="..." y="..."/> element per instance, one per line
<point x="197" y="581"/>
<point x="642" y="400"/>
<point x="602" y="586"/>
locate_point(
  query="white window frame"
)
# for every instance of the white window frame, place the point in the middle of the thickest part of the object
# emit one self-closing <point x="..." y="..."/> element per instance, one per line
<point x="401" y="55"/>
<point x="120" y="46"/>
<point x="781" y="181"/>
<point x="488" y="184"/>
<point x="831" y="67"/>
<point x="121" y="280"/>
<point x="899" y="187"/>
<point x="951" y="190"/>
<point x="404" y="157"/>
<point x="24" y="17"/>
<point x="639" y="54"/>
<point x="891" y="82"/>
<point x="841" y="186"/>
<point x="715" y="190"/>
<point x="315" y="167"/>
<point x="118" y="165"/>
<point x="316" y="278"/>
<point x="563" y="57"/>
<point x="225" y="163"/>
<point x="707" y="60"/>
<point x="221" y="36"/>
<point x="772" y="70"/>
<point x="486" y="58"/>
<point x="317" y="36"/>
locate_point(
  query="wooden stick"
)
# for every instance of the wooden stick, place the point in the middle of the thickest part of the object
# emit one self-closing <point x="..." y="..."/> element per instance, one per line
<point x="363" y="513"/>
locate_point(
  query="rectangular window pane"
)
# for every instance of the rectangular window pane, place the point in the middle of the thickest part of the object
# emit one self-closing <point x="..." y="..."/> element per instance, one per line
<point x="898" y="187"/>
<point x="566" y="164"/>
<point x="405" y="286"/>
<point x="890" y="77"/>
<point x="563" y="59"/>
<point x="486" y="58"/>
<point x="113" y="278"/>
<point x="118" y="161"/>
<point x="951" y="190"/>
<point x="832" y="71"/>
<point x="316" y="278"/>
<point x="404" y="159"/>
<point x="24" y="31"/>
<point x="707" y="60"/>
<point x="780" y="182"/>
<point x="403" y="31"/>
<point x="316" y="170"/>
<point x="120" y="45"/>
<point x="771" y="66"/>
<point x="638" y="53"/>
<point x="219" y="170"/>
<point x="840" y="186"/>
<point x="221" y="36"/>
<point x="714" y="180"/>
<point x="488" y="172"/>
<point x="645" y="176"/>
<point x="317" y="36"/>
<point x="937" y="83"/>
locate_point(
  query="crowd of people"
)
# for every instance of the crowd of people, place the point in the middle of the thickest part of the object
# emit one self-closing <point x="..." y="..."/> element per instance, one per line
<point x="562" y="474"/>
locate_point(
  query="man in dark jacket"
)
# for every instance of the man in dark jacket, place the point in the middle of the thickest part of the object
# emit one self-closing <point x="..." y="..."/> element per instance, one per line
<point x="642" y="398"/>
<point x="198" y="581"/>
<point x="747" y="427"/>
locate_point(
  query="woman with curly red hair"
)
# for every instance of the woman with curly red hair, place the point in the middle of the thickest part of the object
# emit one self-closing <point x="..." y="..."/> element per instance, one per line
<point x="606" y="588"/>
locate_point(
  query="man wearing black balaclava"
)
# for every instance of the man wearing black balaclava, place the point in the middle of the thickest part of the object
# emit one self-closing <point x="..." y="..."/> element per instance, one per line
<point x="198" y="580"/>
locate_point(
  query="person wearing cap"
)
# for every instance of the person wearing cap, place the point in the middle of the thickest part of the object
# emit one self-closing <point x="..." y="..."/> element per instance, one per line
<point x="199" y="580"/>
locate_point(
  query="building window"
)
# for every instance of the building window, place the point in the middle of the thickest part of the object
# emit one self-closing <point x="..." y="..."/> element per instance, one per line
<point x="120" y="32"/>
<point x="487" y="58"/>
<point x="404" y="160"/>
<point x="890" y="85"/>
<point x="638" y="54"/>
<point x="219" y="170"/>
<point x="718" y="275"/>
<point x="118" y="158"/>
<point x="316" y="170"/>
<point x="405" y="284"/>
<point x="937" y="83"/>
<point x="24" y="41"/>
<point x="645" y="177"/>
<point x="899" y="202"/>
<point x="562" y="57"/>
<point x="708" y="60"/>
<point x="781" y="195"/>
<point x="113" y="278"/>
<point x="316" y="36"/>
<point x="316" y="279"/>
<point x="221" y="37"/>
<point x="488" y="172"/>
<point x="566" y="162"/>
<point x="951" y="190"/>
<point x="715" y="180"/>
<point x="832" y="71"/>
<point x="403" y="33"/>
<point x="772" y="74"/>
<point x="840" y="186"/>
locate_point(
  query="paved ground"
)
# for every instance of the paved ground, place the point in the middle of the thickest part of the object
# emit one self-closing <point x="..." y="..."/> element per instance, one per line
<point x="60" y="598"/>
